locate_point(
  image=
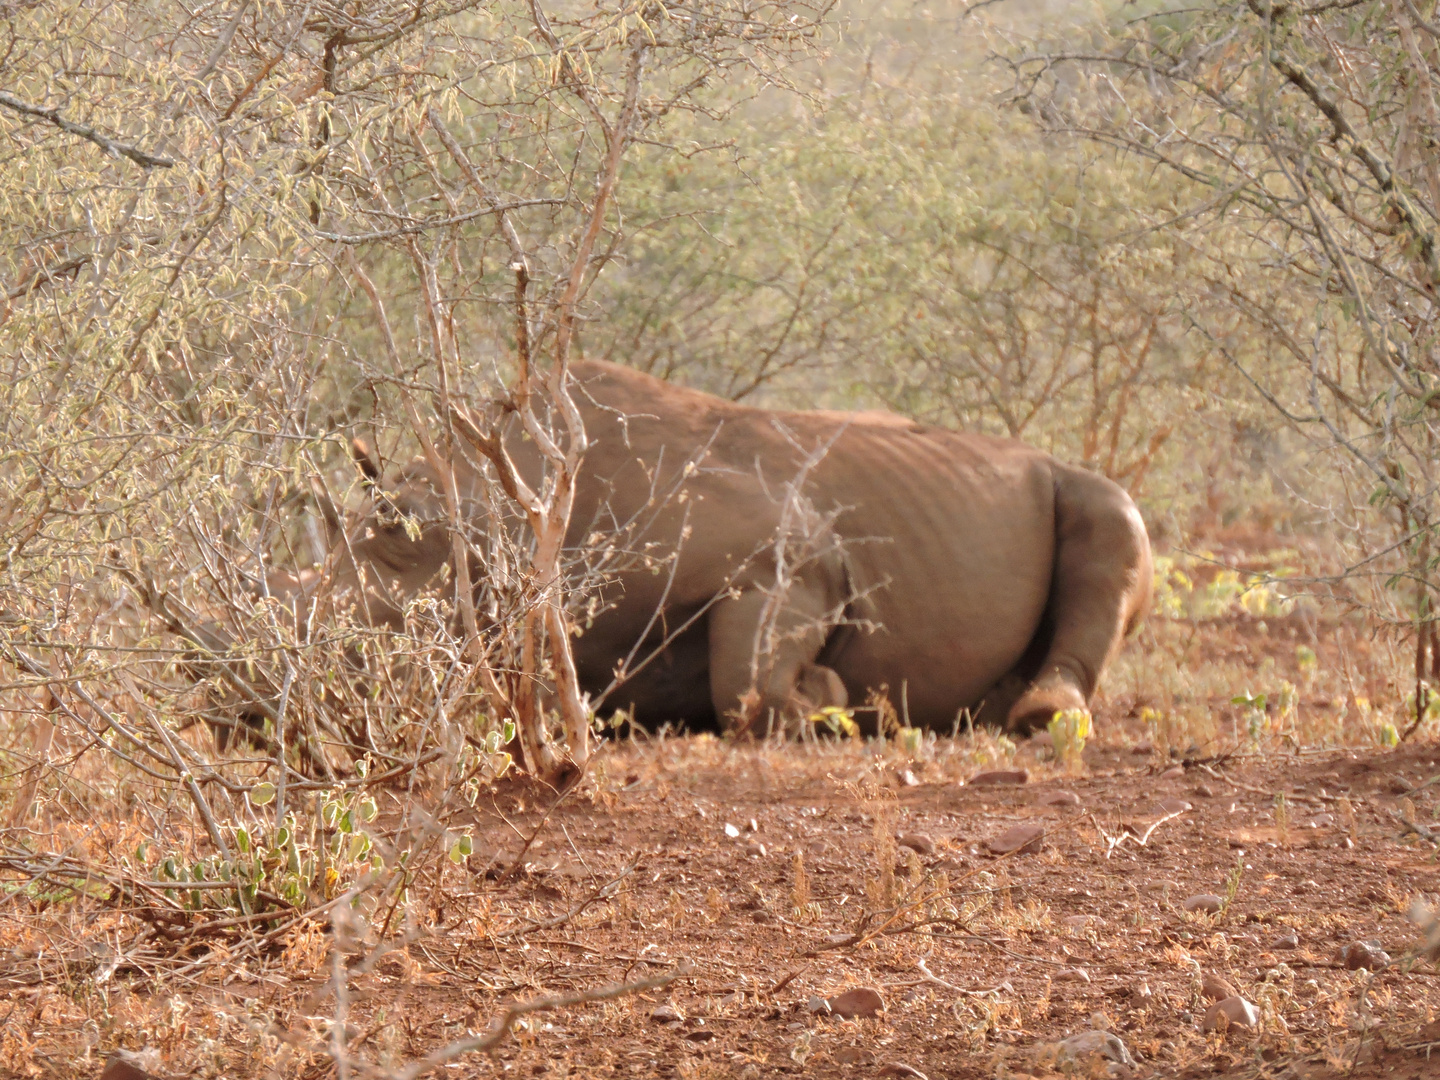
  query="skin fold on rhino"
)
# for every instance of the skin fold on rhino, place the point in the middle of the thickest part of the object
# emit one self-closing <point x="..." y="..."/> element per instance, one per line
<point x="803" y="559"/>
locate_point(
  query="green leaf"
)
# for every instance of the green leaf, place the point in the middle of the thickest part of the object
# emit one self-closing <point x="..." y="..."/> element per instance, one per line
<point x="261" y="794"/>
<point x="461" y="849"/>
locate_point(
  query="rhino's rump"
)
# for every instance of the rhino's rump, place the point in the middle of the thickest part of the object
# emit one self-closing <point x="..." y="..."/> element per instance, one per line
<point x="955" y="537"/>
<point x="949" y="539"/>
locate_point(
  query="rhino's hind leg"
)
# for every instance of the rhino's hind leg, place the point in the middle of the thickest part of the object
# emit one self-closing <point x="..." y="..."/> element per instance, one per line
<point x="1100" y="591"/>
<point x="754" y="691"/>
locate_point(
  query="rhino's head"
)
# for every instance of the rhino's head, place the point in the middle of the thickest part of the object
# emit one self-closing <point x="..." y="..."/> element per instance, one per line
<point x="382" y="553"/>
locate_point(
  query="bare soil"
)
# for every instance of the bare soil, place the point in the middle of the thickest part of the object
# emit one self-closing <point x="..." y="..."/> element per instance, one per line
<point x="682" y="855"/>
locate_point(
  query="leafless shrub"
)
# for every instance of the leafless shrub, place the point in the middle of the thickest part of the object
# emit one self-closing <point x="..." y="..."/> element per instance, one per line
<point x="1310" y="210"/>
<point x="233" y="238"/>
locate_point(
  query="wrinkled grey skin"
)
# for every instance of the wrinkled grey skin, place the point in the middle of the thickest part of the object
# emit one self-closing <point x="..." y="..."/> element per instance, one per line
<point x="959" y="571"/>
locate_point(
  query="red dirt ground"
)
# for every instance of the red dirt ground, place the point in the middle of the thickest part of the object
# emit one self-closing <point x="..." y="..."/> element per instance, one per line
<point x="1005" y="935"/>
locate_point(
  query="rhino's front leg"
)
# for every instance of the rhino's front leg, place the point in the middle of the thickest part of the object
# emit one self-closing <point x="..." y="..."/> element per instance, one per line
<point x="755" y="687"/>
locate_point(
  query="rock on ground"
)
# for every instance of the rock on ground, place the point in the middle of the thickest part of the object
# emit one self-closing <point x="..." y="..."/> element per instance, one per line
<point x="858" y="1001"/>
<point x="1237" y="1013"/>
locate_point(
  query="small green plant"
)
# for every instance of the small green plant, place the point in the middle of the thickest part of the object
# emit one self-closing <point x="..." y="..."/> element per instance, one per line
<point x="881" y="888"/>
<point x="1232" y="887"/>
<point x="802" y="908"/>
<point x="1068" y="731"/>
<point x="1257" y="723"/>
<point x="910" y="740"/>
<point x="799" y="884"/>
<point x="839" y="722"/>
<point x="1347" y="815"/>
<point x="1430" y="702"/>
<point x="1282" y="820"/>
<point x="477" y="767"/>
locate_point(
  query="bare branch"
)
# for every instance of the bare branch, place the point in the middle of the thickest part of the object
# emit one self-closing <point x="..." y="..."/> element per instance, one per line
<point x="500" y="1027"/>
<point x="111" y="146"/>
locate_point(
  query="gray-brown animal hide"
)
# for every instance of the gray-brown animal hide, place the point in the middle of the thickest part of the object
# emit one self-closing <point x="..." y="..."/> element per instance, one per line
<point x="959" y="571"/>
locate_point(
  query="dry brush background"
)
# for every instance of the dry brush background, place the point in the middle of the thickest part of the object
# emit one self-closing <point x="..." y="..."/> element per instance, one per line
<point x="1191" y="247"/>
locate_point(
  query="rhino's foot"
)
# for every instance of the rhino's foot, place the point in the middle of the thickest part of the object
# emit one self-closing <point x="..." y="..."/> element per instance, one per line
<point x="816" y="688"/>
<point x="1039" y="704"/>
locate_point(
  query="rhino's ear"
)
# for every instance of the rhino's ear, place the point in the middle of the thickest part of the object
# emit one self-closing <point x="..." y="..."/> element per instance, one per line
<point x="363" y="458"/>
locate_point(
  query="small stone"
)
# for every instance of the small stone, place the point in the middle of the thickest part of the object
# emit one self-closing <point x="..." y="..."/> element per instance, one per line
<point x="1237" y="1012"/>
<point x="898" y="1068"/>
<point x="124" y="1065"/>
<point x="1320" y="821"/>
<point x="762" y="916"/>
<point x="1080" y="923"/>
<point x="1141" y="995"/>
<point x="1060" y="798"/>
<point x="1089" y="1044"/>
<point x="1000" y="776"/>
<point x="817" y="1004"/>
<point x="732" y="831"/>
<point x="1025" y="839"/>
<point x="1364" y="954"/>
<point x="1286" y="941"/>
<point x="1144" y="746"/>
<point x="1209" y="903"/>
<point x="852" y="1055"/>
<point x="1175" y="772"/>
<point x="1075" y="974"/>
<point x="665" y="1014"/>
<point x="1174" y="806"/>
<point x="1214" y="988"/>
<point x="1203" y="791"/>
<point x="703" y="1035"/>
<point x="859" y="1001"/>
<point x="908" y="778"/>
<point x="916" y="841"/>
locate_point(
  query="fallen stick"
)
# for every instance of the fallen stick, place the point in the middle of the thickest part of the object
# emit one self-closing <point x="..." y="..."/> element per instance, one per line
<point x="500" y="1027"/>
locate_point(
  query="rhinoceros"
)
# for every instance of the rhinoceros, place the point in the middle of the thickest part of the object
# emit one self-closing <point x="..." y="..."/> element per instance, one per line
<point x="798" y="560"/>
